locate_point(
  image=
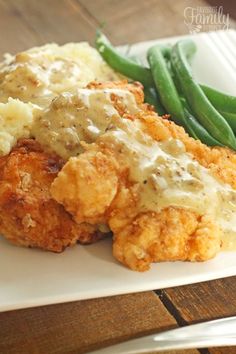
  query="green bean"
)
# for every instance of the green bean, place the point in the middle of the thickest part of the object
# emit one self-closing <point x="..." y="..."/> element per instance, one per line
<point x="169" y="95"/>
<point x="152" y="98"/>
<point x="208" y="116"/>
<point x="221" y="101"/>
<point x="198" y="132"/>
<point x="195" y="129"/>
<point x="165" y="85"/>
<point x="121" y="63"/>
<point x="166" y="51"/>
<point x="231" y="119"/>
<point x="225" y="104"/>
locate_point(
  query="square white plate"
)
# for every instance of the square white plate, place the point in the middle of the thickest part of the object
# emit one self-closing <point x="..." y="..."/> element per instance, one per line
<point x="33" y="277"/>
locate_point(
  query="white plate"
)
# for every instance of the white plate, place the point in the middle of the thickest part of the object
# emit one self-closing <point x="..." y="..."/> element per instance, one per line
<point x="33" y="277"/>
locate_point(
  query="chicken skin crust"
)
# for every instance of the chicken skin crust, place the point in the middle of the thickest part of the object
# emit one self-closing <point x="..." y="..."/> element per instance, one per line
<point x="28" y="214"/>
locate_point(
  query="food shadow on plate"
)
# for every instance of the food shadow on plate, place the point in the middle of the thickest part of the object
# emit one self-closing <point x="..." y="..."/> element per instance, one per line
<point x="101" y="249"/>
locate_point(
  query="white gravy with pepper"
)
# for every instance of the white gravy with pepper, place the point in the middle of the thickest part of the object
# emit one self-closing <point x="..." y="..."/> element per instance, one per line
<point x="79" y="116"/>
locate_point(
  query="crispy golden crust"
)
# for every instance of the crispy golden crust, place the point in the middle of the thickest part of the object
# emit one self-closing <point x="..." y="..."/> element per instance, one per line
<point x="28" y="214"/>
<point x="83" y="175"/>
<point x="135" y="88"/>
<point x="170" y="235"/>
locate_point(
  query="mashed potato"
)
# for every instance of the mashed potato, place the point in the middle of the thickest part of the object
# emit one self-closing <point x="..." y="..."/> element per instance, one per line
<point x="36" y="76"/>
<point x="16" y="119"/>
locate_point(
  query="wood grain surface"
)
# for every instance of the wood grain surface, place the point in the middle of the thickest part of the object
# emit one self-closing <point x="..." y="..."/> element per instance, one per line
<point x="84" y="324"/>
<point x="81" y="326"/>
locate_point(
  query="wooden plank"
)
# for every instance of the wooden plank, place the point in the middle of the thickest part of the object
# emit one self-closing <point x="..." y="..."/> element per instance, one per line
<point x="83" y="325"/>
<point x="15" y="35"/>
<point x="129" y="21"/>
<point x="27" y="23"/>
<point x="203" y="301"/>
<point x="223" y="350"/>
<point x="61" y="21"/>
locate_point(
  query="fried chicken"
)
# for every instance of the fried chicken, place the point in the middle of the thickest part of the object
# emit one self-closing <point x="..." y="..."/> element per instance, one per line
<point x="28" y="214"/>
<point x="136" y="88"/>
<point x="97" y="187"/>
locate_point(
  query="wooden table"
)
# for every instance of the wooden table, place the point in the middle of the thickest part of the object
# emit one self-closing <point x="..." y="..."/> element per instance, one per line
<point x="84" y="325"/>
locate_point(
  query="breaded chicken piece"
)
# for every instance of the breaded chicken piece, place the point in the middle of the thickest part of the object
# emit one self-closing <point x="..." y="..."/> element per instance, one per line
<point x="96" y="188"/>
<point x="28" y="214"/>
